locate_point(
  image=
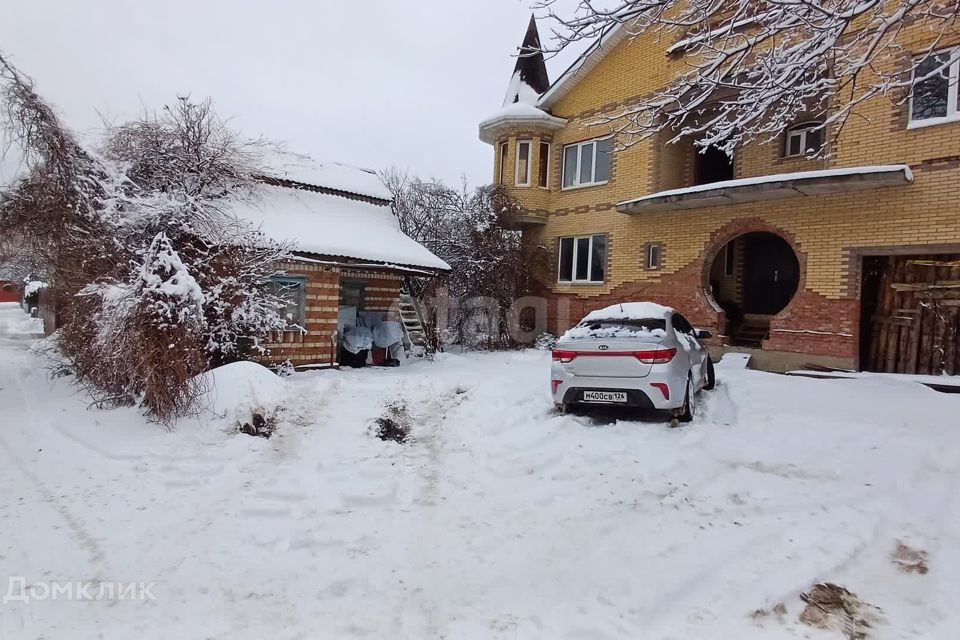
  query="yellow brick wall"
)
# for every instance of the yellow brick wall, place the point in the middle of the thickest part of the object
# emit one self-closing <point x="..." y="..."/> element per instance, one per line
<point x="823" y="227"/>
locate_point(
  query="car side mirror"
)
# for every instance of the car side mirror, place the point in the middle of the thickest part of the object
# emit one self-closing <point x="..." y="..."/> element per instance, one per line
<point x="702" y="334"/>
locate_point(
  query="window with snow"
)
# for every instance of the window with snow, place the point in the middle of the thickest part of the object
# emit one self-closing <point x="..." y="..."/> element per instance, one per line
<point x="583" y="259"/>
<point x="291" y="291"/>
<point x="523" y="163"/>
<point x="804" y="139"/>
<point x="935" y="97"/>
<point x="587" y="163"/>
<point x="543" y="176"/>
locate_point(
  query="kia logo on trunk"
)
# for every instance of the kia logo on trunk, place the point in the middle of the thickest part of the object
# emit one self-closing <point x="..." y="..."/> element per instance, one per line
<point x="603" y="347"/>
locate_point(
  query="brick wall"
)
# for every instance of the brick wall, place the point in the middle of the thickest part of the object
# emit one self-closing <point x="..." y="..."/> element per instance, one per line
<point x="317" y="346"/>
<point x="829" y="233"/>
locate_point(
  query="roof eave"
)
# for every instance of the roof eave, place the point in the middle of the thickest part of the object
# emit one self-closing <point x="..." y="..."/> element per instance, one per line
<point x="488" y="128"/>
<point x="769" y="190"/>
<point x="583" y="65"/>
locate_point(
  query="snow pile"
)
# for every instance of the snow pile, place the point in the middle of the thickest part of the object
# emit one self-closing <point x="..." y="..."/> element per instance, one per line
<point x="331" y="225"/>
<point x="238" y="389"/>
<point x="630" y="311"/>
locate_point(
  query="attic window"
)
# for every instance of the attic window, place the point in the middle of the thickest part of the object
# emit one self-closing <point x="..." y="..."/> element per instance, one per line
<point x="804" y="139"/>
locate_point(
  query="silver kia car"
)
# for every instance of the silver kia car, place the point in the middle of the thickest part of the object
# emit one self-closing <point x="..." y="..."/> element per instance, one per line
<point x="635" y="354"/>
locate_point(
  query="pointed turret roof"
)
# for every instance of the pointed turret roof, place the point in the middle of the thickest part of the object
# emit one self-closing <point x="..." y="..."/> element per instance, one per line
<point x="529" y="78"/>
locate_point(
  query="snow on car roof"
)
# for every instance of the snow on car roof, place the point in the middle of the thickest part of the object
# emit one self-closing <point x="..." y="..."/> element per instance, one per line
<point x="330" y="225"/>
<point x="630" y="311"/>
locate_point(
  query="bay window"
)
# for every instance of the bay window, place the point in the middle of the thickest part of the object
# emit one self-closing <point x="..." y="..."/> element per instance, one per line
<point x="587" y="163"/>
<point x="523" y="164"/>
<point x="543" y="177"/>
<point x="582" y="259"/>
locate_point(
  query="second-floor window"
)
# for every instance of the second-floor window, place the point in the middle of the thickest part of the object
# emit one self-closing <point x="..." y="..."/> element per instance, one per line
<point x="503" y="162"/>
<point x="803" y="139"/>
<point x="582" y="259"/>
<point x="523" y="163"/>
<point x="543" y="176"/>
<point x="586" y="163"/>
<point x="935" y="95"/>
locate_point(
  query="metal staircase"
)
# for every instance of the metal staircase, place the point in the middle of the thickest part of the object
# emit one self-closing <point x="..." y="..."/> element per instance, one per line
<point x="415" y="338"/>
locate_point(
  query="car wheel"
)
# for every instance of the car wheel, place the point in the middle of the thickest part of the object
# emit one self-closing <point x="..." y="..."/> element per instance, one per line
<point x="711" y="375"/>
<point x="685" y="414"/>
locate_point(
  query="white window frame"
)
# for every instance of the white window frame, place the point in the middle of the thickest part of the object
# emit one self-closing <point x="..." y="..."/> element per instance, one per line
<point x="576" y="176"/>
<point x="650" y="249"/>
<point x="953" y="80"/>
<point x="549" y="153"/>
<point x="573" y="269"/>
<point x="516" y="168"/>
<point x="801" y="130"/>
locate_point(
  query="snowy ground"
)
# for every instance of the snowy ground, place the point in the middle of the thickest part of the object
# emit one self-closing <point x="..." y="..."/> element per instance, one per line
<point x="497" y="519"/>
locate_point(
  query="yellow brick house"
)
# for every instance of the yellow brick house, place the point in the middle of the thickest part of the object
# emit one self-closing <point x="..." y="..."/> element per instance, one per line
<point x="847" y="261"/>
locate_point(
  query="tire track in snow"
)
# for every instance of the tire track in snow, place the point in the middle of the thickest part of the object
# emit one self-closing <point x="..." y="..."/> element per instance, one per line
<point x="80" y="534"/>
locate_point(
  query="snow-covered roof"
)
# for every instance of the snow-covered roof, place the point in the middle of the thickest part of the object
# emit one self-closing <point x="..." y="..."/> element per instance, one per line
<point x="776" y="185"/>
<point x="518" y="113"/>
<point x="335" y="176"/>
<point x="630" y="311"/>
<point x="331" y="225"/>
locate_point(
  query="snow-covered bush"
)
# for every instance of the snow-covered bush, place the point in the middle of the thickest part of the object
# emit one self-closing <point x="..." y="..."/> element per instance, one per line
<point x="152" y="279"/>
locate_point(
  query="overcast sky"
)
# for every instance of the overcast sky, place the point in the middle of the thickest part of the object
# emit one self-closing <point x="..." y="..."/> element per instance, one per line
<point x="373" y="83"/>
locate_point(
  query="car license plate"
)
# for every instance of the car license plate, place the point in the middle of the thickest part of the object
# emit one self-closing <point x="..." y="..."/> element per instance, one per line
<point x="604" y="396"/>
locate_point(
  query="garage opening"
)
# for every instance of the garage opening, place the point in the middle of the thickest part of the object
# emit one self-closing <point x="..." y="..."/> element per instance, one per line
<point x="910" y="314"/>
<point x="753" y="278"/>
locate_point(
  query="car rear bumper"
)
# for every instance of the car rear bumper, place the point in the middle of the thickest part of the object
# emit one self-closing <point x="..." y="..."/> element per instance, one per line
<point x="641" y="392"/>
<point x="635" y="397"/>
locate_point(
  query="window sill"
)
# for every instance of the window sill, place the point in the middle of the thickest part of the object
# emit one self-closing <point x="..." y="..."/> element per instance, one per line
<point x="584" y="186"/>
<point x="580" y="283"/>
<point x="932" y="122"/>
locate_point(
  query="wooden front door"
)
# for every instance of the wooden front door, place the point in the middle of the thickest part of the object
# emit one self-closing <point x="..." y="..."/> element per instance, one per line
<point x="910" y="316"/>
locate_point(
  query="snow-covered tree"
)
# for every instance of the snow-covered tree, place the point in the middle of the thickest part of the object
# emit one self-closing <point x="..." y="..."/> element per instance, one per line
<point x="155" y="196"/>
<point x="491" y="264"/>
<point x="754" y="68"/>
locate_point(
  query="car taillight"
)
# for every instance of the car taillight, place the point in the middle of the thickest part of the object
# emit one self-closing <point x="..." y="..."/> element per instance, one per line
<point x="564" y="355"/>
<point x="554" y="384"/>
<point x="656" y="356"/>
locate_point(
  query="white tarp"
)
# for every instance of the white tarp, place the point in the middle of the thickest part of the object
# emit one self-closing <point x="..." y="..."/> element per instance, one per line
<point x="387" y="333"/>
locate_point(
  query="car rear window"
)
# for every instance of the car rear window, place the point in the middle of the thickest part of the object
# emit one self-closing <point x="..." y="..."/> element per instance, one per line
<point x="630" y="324"/>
